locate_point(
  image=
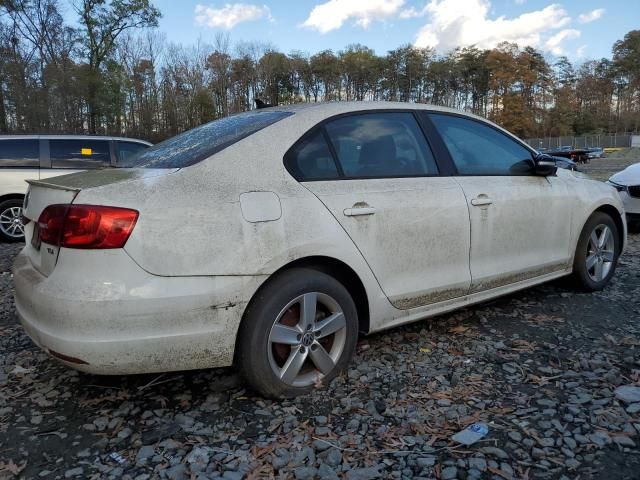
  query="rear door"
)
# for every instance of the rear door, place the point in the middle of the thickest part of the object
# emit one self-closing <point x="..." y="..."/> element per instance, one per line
<point x="76" y="155"/>
<point x="378" y="176"/>
<point x="520" y="222"/>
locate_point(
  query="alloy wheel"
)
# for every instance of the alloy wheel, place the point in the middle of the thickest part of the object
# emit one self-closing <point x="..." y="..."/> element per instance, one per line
<point x="600" y="253"/>
<point x="307" y="339"/>
<point x="11" y="222"/>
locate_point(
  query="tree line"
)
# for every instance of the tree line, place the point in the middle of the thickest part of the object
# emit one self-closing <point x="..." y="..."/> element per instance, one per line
<point x="114" y="73"/>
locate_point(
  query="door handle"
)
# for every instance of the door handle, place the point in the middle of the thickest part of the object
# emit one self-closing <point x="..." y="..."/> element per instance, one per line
<point x="481" y="200"/>
<point x="357" y="211"/>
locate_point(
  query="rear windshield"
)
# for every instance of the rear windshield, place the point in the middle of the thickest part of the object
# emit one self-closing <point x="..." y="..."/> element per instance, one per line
<point x="195" y="145"/>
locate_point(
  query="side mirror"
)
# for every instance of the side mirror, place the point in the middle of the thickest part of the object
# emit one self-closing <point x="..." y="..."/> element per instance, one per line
<point x="545" y="165"/>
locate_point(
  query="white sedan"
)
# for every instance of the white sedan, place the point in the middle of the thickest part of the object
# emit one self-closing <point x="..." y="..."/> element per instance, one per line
<point x="270" y="239"/>
<point x="627" y="182"/>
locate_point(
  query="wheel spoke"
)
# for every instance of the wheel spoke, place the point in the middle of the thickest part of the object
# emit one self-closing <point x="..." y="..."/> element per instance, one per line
<point x="598" y="270"/>
<point x="591" y="261"/>
<point x="293" y="365"/>
<point x="308" y="305"/>
<point x="607" y="255"/>
<point x="594" y="241"/>
<point x="284" y="335"/>
<point x="331" y="325"/>
<point x="321" y="359"/>
<point x="604" y="237"/>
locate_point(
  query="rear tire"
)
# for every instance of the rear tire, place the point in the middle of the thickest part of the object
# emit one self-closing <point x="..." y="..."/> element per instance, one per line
<point x="597" y="253"/>
<point x="11" y="228"/>
<point x="298" y="332"/>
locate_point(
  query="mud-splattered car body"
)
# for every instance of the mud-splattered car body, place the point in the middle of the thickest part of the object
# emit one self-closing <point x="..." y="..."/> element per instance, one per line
<point x="210" y="232"/>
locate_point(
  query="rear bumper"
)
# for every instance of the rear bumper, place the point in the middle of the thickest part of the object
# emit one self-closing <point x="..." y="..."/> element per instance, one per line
<point x="99" y="312"/>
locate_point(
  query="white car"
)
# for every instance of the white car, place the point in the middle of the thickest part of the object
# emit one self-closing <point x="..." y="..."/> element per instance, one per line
<point x="25" y="157"/>
<point x="270" y="239"/>
<point x="627" y="182"/>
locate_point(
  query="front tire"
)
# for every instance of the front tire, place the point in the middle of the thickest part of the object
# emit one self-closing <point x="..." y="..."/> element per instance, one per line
<point x="298" y="332"/>
<point x="11" y="228"/>
<point x="597" y="253"/>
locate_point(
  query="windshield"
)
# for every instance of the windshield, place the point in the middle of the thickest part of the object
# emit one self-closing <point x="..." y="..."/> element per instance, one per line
<point x="195" y="145"/>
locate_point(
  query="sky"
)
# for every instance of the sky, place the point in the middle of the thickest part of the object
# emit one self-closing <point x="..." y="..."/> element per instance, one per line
<point x="579" y="29"/>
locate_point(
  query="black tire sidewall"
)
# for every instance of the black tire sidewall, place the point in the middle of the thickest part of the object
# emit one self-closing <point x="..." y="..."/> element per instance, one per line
<point x="579" y="265"/>
<point x="252" y="347"/>
<point x="13" y="202"/>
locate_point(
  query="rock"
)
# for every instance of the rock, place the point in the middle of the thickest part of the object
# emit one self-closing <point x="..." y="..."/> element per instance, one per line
<point x="74" y="472"/>
<point x="199" y="455"/>
<point x="600" y="438"/>
<point x="177" y="472"/>
<point x="145" y="452"/>
<point x="231" y="475"/>
<point x="334" y="457"/>
<point x="633" y="408"/>
<point x="628" y="393"/>
<point x="623" y="441"/>
<point x="537" y="453"/>
<point x="305" y="473"/>
<point x="495" y="452"/>
<point x="449" y="473"/>
<point x="153" y="436"/>
<point x="325" y="472"/>
<point x="478" y="463"/>
<point x="424" y="462"/>
<point x="572" y="463"/>
<point x="281" y="461"/>
<point x="364" y="473"/>
<point x="515" y="436"/>
<point x="321" y="420"/>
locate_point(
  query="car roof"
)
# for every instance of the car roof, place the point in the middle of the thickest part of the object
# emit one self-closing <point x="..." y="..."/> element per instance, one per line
<point x="324" y="110"/>
<point x="337" y="107"/>
<point x="71" y="137"/>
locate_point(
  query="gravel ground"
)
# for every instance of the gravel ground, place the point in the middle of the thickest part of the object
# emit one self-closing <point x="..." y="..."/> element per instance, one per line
<point x="554" y="374"/>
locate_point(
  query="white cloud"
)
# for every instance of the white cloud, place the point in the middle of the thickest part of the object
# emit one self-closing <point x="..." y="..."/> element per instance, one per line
<point x="230" y="15"/>
<point x="591" y="16"/>
<point x="459" y="23"/>
<point x="554" y="43"/>
<point x="412" y="12"/>
<point x="331" y="15"/>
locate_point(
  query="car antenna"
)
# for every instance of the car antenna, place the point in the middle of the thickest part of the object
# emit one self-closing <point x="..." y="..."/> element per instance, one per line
<point x="260" y="104"/>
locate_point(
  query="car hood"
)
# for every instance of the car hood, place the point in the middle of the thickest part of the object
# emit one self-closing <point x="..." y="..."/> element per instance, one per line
<point x="628" y="176"/>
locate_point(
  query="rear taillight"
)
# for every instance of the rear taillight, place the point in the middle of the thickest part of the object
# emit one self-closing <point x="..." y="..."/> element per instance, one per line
<point x="86" y="226"/>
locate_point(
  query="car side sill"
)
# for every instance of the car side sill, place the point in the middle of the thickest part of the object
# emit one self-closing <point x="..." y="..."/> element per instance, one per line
<point x="439" y="308"/>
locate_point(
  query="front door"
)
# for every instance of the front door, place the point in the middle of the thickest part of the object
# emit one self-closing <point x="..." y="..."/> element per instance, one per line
<point x="410" y="224"/>
<point x="520" y="222"/>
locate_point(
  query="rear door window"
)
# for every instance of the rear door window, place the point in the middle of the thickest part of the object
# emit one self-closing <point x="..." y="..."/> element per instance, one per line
<point x="195" y="145"/>
<point x="127" y="153"/>
<point x="20" y="153"/>
<point x="377" y="145"/>
<point x="79" y="154"/>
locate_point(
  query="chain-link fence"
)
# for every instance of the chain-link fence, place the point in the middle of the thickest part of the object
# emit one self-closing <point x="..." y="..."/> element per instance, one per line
<point x="586" y="141"/>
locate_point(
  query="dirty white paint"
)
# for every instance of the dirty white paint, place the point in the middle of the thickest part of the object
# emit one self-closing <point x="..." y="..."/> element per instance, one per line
<point x="416" y="242"/>
<point x="210" y="234"/>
